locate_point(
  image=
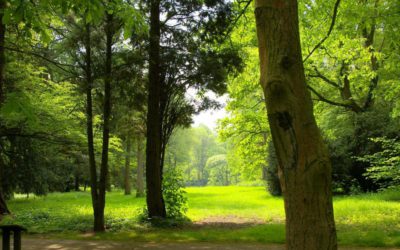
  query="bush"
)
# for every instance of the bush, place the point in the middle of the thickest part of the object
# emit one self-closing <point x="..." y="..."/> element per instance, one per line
<point x="174" y="195"/>
<point x="385" y="164"/>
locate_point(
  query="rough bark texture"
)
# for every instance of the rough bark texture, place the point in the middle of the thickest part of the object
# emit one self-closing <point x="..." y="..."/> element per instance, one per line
<point x="140" y="168"/>
<point x="127" y="172"/>
<point x="304" y="165"/>
<point x="155" y="202"/>
<point x="3" y="205"/>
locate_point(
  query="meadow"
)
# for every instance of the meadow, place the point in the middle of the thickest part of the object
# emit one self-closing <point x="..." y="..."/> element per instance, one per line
<point x="217" y="214"/>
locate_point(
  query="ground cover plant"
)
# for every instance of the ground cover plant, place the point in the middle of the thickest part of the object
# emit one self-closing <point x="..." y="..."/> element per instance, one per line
<point x="218" y="214"/>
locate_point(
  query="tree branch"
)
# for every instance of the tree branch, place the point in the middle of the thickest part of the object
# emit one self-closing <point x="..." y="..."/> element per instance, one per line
<point x="57" y="64"/>
<point x="324" y="78"/>
<point x="323" y="99"/>
<point x="335" y="10"/>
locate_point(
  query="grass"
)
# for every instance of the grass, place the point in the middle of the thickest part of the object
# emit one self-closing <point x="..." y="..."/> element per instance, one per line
<point x="362" y="220"/>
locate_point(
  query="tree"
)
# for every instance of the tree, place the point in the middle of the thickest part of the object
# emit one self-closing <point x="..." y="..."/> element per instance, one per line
<point x="350" y="75"/>
<point x="304" y="165"/>
<point x="140" y="166"/>
<point x="183" y="56"/>
<point x="3" y="205"/>
<point x="154" y="198"/>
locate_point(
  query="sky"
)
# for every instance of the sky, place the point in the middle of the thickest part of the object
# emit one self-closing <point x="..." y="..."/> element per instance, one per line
<point x="210" y="117"/>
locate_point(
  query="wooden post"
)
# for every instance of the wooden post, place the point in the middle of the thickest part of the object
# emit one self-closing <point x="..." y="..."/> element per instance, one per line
<point x="6" y="239"/>
<point x="16" y="229"/>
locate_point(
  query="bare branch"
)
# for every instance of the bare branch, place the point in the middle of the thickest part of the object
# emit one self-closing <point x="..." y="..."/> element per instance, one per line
<point x="324" y="78"/>
<point x="323" y="99"/>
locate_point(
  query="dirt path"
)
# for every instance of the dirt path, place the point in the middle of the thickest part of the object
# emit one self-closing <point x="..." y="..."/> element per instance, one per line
<point x="47" y="244"/>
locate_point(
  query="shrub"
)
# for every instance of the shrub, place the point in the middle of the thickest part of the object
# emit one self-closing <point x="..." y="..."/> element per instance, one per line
<point x="174" y="195"/>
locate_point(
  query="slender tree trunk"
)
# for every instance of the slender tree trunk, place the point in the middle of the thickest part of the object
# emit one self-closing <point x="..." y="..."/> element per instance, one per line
<point x="76" y="182"/>
<point x="3" y="205"/>
<point x="2" y="50"/>
<point x="98" y="218"/>
<point x="304" y="165"/>
<point x="140" y="168"/>
<point x="106" y="123"/>
<point x="155" y="203"/>
<point x="127" y="175"/>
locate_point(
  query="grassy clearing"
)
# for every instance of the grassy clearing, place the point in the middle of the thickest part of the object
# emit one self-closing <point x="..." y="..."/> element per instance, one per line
<point x="362" y="220"/>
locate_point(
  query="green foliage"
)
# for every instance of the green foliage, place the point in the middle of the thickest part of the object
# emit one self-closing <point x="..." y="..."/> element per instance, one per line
<point x="189" y="151"/>
<point x="218" y="169"/>
<point x="174" y="195"/>
<point x="384" y="167"/>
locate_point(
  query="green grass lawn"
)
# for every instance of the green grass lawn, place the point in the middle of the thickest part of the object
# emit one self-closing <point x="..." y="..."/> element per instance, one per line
<point x="362" y="220"/>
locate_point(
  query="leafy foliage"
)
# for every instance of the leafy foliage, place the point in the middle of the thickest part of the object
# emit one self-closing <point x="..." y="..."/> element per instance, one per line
<point x="384" y="167"/>
<point x="174" y="195"/>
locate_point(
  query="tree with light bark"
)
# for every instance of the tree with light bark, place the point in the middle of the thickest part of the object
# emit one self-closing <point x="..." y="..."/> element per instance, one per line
<point x="304" y="164"/>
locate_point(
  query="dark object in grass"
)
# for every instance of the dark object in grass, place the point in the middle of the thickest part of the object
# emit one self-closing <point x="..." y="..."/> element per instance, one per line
<point x="16" y="229"/>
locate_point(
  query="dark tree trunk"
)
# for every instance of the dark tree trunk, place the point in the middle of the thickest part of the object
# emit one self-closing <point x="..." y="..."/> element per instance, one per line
<point x="98" y="218"/>
<point x="127" y="174"/>
<point x="76" y="183"/>
<point x="155" y="202"/>
<point x="3" y="205"/>
<point x="304" y="165"/>
<point x="140" y="168"/>
<point x="2" y="50"/>
<point x="106" y="121"/>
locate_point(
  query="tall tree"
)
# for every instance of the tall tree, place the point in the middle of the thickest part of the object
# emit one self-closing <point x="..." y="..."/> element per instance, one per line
<point x="154" y="198"/>
<point x="127" y="169"/>
<point x="3" y="205"/>
<point x="304" y="164"/>
<point x="140" y="166"/>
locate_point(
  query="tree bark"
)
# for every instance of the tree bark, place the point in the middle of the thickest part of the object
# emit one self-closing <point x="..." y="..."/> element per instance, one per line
<point x="98" y="218"/>
<point x="106" y="121"/>
<point x="304" y="165"/>
<point x="140" y="168"/>
<point x="2" y="50"/>
<point x="127" y="172"/>
<point x="154" y="199"/>
<point x="3" y="205"/>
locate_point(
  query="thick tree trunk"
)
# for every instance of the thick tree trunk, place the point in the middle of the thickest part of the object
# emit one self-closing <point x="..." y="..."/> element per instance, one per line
<point x="98" y="217"/>
<point x="304" y="165"/>
<point x="127" y="172"/>
<point x="3" y="205"/>
<point x="155" y="202"/>
<point x="140" y="168"/>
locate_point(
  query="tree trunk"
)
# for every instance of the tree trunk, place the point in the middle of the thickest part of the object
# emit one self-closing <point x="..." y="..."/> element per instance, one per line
<point x="155" y="202"/>
<point x="127" y="175"/>
<point x="304" y="165"/>
<point x="76" y="182"/>
<point x="2" y="50"/>
<point x="106" y="121"/>
<point x="140" y="168"/>
<point x="3" y="205"/>
<point x="98" y="217"/>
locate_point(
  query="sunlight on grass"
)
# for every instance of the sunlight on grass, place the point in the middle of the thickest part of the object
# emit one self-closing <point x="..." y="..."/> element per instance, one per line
<point x="362" y="220"/>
